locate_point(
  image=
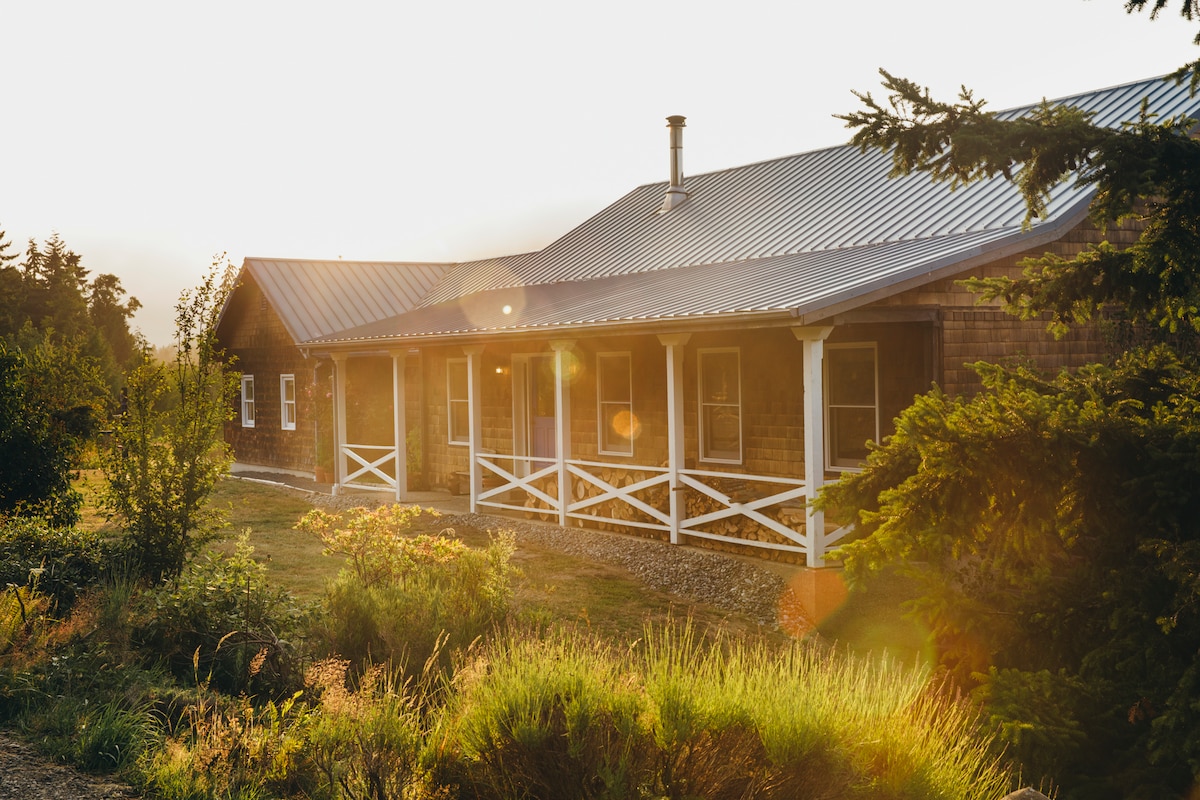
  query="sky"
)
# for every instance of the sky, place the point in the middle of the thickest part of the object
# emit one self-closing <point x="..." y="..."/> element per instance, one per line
<point x="153" y="137"/>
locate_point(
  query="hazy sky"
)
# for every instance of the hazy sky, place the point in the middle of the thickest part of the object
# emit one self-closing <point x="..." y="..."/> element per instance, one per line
<point x="154" y="135"/>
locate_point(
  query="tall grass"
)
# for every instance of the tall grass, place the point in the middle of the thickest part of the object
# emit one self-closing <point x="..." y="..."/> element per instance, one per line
<point x="683" y="717"/>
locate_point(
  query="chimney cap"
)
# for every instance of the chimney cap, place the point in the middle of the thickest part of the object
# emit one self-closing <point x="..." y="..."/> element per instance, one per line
<point x="676" y="119"/>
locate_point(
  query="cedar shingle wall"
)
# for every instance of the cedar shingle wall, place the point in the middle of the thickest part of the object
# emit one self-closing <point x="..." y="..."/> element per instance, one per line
<point x="254" y="335"/>
<point x="972" y="332"/>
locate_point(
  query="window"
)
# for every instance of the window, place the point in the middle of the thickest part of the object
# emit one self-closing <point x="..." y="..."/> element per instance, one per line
<point x="852" y="404"/>
<point x="287" y="401"/>
<point x="614" y="392"/>
<point x="720" y="406"/>
<point x="458" y="402"/>
<point x="247" y="401"/>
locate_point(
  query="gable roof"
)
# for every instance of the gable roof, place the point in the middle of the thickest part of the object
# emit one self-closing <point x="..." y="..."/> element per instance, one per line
<point x="803" y="236"/>
<point x="318" y="298"/>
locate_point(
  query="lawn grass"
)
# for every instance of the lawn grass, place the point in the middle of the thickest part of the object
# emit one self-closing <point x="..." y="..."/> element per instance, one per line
<point x="554" y="587"/>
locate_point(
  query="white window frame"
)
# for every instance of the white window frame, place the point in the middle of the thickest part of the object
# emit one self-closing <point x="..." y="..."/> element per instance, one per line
<point x="602" y="405"/>
<point x="247" y="401"/>
<point x="287" y="421"/>
<point x="451" y="401"/>
<point x="829" y="350"/>
<point x="703" y="405"/>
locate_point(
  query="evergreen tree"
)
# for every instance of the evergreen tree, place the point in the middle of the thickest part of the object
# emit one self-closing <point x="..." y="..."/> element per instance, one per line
<point x="12" y="289"/>
<point x="48" y="405"/>
<point x="1053" y="523"/>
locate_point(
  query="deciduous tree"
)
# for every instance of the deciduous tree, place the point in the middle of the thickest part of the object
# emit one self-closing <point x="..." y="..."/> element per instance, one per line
<point x="168" y="448"/>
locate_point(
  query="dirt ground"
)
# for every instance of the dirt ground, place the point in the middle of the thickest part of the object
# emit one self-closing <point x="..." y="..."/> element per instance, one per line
<point x="25" y="774"/>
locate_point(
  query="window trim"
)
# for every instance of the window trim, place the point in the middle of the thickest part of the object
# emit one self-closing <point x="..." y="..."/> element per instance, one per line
<point x="248" y="404"/>
<point x="451" y="400"/>
<point x="828" y="393"/>
<point x="702" y="405"/>
<point x="285" y="404"/>
<point x="601" y="403"/>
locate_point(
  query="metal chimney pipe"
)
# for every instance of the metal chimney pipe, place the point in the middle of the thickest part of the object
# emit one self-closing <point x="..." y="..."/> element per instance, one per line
<point x="675" y="191"/>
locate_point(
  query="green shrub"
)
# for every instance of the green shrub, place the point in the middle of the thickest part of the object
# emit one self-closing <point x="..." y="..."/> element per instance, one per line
<point x="221" y="621"/>
<point x="64" y="561"/>
<point x="404" y="598"/>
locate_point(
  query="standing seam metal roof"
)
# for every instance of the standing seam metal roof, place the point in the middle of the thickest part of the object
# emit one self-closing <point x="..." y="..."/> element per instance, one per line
<point x="792" y="236"/>
<point x="826" y="199"/>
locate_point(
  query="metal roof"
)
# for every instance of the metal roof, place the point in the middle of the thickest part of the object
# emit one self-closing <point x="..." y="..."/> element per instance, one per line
<point x="803" y="236"/>
<point x="803" y="286"/>
<point x="317" y="298"/>
<point x="829" y="199"/>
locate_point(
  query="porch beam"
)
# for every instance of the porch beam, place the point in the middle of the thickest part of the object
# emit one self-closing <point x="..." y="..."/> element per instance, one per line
<point x="399" y="425"/>
<point x="812" y="338"/>
<point x="562" y="420"/>
<point x="475" y="424"/>
<point x="339" y="420"/>
<point x="674" y="344"/>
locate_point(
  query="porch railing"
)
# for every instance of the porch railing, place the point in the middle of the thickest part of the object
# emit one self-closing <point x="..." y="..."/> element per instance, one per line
<point x="754" y="510"/>
<point x="363" y="466"/>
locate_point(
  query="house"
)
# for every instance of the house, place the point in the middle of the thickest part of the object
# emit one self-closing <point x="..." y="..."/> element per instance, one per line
<point x="691" y="363"/>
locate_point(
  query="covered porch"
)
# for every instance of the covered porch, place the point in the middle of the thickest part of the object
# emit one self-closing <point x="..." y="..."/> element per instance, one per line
<point x="524" y="447"/>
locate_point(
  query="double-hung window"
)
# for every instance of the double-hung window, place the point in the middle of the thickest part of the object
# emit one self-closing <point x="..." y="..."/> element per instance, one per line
<point x="614" y="390"/>
<point x="721" y="405"/>
<point x="287" y="402"/>
<point x="458" y="401"/>
<point x="852" y="403"/>
<point x="247" y="401"/>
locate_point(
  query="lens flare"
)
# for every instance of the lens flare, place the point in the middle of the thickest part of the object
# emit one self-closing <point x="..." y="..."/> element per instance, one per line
<point x="626" y="425"/>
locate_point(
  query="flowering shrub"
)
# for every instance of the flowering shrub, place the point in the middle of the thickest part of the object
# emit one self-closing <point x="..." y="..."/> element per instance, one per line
<point x="405" y="596"/>
<point x="376" y="542"/>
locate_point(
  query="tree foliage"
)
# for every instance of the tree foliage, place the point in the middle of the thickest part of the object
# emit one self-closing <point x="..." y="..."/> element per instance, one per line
<point x="49" y="292"/>
<point x="1053" y="527"/>
<point x="45" y="419"/>
<point x="1147" y="170"/>
<point x="1053" y="523"/>
<point x="168" y="448"/>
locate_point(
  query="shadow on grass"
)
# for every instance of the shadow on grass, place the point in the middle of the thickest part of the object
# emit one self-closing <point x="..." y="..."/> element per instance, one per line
<point x="872" y="620"/>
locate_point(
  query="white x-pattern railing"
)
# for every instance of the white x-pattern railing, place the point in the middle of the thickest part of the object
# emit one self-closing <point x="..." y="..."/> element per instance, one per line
<point x="752" y="510"/>
<point x="501" y="481"/>
<point x="369" y="458"/>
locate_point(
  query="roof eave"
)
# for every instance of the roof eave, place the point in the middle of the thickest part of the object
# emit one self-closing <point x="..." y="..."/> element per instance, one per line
<point x="945" y="267"/>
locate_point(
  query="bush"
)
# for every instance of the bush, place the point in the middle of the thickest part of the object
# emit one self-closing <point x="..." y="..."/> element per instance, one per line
<point x="63" y="562"/>
<point x="403" y="598"/>
<point x="366" y="742"/>
<point x="220" y="621"/>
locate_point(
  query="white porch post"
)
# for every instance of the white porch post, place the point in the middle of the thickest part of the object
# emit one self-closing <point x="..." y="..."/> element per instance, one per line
<point x="339" y="420"/>
<point x="675" y="451"/>
<point x="813" y="341"/>
<point x="475" y="425"/>
<point x="400" y="426"/>
<point x="562" y="422"/>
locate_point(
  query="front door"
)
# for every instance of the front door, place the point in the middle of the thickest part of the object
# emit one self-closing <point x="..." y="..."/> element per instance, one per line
<point x="533" y="409"/>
